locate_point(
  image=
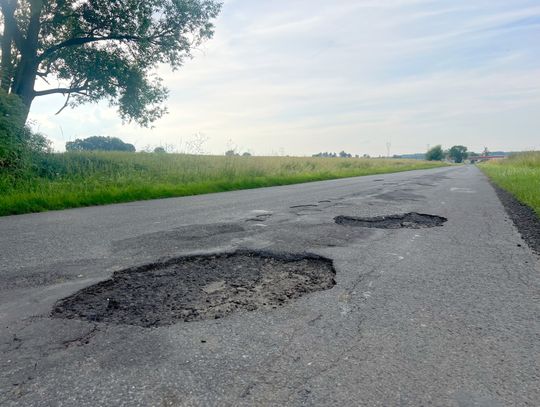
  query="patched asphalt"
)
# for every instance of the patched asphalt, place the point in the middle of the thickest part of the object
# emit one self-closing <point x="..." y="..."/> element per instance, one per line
<point x="444" y="315"/>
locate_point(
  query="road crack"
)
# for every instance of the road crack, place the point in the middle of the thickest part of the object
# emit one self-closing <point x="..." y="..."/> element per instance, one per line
<point x="83" y="339"/>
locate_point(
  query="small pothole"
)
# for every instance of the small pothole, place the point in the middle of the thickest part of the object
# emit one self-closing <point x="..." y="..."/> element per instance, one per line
<point x="411" y="220"/>
<point x="198" y="287"/>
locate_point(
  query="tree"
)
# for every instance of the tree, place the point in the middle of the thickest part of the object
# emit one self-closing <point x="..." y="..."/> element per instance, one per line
<point x="100" y="49"/>
<point x="435" y="154"/>
<point x="160" y="150"/>
<point x="458" y="153"/>
<point x="99" y="143"/>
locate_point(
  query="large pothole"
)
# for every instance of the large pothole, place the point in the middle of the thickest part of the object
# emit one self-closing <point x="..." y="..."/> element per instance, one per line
<point x="411" y="220"/>
<point x="198" y="287"/>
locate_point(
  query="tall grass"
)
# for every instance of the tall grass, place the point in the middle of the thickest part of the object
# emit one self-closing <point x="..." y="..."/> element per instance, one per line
<point x="520" y="175"/>
<point x="68" y="180"/>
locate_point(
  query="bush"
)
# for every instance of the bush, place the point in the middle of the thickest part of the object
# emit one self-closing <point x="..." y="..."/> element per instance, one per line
<point x="18" y="144"/>
<point x="11" y="130"/>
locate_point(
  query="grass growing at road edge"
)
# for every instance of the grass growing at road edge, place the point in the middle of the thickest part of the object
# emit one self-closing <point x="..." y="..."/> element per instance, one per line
<point x="68" y="180"/>
<point x="519" y="174"/>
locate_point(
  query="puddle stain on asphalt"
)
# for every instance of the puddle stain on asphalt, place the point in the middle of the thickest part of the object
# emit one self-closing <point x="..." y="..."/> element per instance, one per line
<point x="185" y="238"/>
<point x="463" y="190"/>
<point x="399" y="195"/>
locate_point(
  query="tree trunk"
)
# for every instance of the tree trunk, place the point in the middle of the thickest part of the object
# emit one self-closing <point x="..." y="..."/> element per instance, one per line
<point x="25" y="75"/>
<point x="24" y="82"/>
<point x="6" y="64"/>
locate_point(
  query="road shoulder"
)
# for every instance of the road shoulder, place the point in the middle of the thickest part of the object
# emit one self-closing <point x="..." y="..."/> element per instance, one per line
<point x="524" y="218"/>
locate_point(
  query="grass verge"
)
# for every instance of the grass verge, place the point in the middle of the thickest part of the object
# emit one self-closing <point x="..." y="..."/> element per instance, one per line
<point x="520" y="175"/>
<point x="68" y="180"/>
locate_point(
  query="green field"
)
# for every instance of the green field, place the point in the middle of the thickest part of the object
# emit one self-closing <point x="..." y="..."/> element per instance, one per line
<point x="519" y="175"/>
<point x="67" y="180"/>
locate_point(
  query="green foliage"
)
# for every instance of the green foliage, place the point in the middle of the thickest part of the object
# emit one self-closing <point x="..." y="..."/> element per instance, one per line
<point x="520" y="175"/>
<point x="11" y="130"/>
<point x="102" y="50"/>
<point x="435" y="154"/>
<point x="18" y="144"/>
<point x="99" y="143"/>
<point x="458" y="153"/>
<point x="160" y="150"/>
<point x="93" y="178"/>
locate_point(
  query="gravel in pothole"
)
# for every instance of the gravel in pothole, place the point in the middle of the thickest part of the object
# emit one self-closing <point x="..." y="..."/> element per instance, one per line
<point x="411" y="220"/>
<point x="198" y="287"/>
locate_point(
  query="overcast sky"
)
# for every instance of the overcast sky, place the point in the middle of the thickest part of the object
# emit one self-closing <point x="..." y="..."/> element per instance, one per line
<point x="301" y="76"/>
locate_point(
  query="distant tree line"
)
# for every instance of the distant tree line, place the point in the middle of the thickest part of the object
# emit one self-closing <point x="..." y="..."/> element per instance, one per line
<point x="234" y="153"/>
<point x="341" y="154"/>
<point x="99" y="143"/>
<point x="104" y="143"/>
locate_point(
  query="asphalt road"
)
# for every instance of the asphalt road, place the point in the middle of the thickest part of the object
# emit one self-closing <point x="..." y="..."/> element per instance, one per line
<point x="445" y="316"/>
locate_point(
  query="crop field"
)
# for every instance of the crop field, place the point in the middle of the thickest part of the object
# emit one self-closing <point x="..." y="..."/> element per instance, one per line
<point x="519" y="175"/>
<point x="67" y="180"/>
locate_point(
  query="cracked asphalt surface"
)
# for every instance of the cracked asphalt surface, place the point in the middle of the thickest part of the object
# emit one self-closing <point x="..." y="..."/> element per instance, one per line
<point x="443" y="316"/>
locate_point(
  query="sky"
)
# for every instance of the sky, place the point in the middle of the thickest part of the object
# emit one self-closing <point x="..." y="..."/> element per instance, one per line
<point x="297" y="77"/>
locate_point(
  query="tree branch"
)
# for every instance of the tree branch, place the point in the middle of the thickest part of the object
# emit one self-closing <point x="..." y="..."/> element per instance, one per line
<point x="73" y="42"/>
<point x="63" y="91"/>
<point x="65" y="104"/>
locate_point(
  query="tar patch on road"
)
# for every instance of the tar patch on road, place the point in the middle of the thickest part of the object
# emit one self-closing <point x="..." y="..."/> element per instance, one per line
<point x="411" y="220"/>
<point x="198" y="287"/>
